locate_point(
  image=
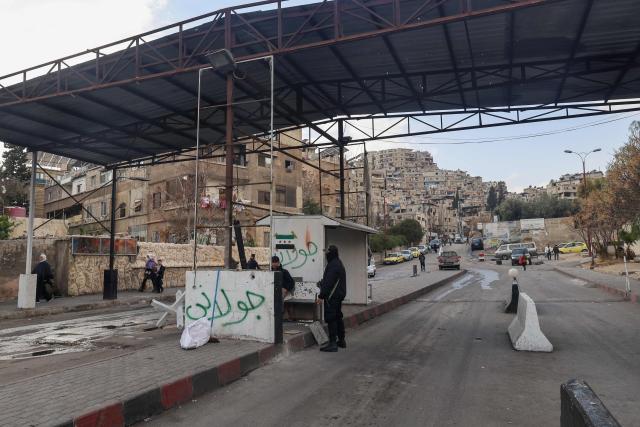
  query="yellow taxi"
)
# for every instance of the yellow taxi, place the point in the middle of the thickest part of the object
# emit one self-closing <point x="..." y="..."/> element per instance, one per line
<point x="415" y="251"/>
<point x="574" y="248"/>
<point x="393" y="258"/>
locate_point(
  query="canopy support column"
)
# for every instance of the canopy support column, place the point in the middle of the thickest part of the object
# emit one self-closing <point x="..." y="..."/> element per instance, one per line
<point x="229" y="174"/>
<point x="110" y="282"/>
<point x="32" y="211"/>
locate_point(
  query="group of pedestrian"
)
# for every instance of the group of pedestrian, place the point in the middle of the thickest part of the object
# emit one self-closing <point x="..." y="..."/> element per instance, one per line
<point x="154" y="271"/>
<point x="552" y="252"/>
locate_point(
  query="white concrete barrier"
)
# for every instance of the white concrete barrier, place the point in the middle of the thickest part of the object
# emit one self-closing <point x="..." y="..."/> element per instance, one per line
<point x="27" y="285"/>
<point x="524" y="330"/>
<point x="239" y="304"/>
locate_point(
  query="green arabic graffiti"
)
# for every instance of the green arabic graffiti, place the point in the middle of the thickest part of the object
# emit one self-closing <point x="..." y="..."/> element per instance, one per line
<point x="253" y="301"/>
<point x="296" y="259"/>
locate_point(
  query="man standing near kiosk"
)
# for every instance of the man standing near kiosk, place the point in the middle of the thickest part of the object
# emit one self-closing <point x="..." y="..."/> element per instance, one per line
<point x="333" y="290"/>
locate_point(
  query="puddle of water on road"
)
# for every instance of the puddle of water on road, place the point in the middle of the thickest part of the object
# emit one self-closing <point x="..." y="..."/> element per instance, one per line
<point x="69" y="336"/>
<point x="487" y="277"/>
<point x="484" y="277"/>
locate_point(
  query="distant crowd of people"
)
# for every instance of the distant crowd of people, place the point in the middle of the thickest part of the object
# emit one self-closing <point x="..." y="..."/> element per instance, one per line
<point x="552" y="251"/>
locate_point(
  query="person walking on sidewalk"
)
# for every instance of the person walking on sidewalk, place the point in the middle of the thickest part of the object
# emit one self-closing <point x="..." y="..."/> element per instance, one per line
<point x="149" y="272"/>
<point x="43" y="271"/>
<point x="158" y="285"/>
<point x="422" y="259"/>
<point x="547" y="252"/>
<point x="556" y="252"/>
<point x="333" y="290"/>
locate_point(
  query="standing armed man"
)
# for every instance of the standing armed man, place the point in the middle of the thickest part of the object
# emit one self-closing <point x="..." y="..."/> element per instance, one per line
<point x="333" y="290"/>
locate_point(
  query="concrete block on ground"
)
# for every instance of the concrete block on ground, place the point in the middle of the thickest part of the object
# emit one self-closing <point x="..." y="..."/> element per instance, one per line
<point x="524" y="330"/>
<point x="27" y="290"/>
<point x="581" y="407"/>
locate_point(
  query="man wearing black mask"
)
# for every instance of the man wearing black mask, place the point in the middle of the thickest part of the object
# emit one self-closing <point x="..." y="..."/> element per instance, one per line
<point x="333" y="290"/>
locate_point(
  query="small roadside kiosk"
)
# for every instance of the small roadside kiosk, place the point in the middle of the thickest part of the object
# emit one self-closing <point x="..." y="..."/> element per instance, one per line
<point x="300" y="242"/>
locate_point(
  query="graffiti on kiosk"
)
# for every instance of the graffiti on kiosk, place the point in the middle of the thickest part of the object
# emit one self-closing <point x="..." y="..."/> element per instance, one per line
<point x="252" y="302"/>
<point x="292" y="257"/>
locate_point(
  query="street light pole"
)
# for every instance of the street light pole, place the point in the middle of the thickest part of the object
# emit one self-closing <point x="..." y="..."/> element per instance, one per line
<point x="583" y="157"/>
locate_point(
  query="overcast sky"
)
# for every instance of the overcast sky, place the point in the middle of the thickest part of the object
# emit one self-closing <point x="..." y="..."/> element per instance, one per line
<point x="36" y="31"/>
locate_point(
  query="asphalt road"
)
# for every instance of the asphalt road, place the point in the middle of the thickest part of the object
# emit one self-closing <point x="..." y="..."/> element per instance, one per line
<point x="445" y="359"/>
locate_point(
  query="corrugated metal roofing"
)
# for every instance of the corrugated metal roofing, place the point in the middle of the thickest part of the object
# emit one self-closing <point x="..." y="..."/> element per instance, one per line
<point x="544" y="52"/>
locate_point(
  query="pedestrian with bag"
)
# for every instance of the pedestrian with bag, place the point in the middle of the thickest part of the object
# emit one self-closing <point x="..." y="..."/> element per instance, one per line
<point x="43" y="271"/>
<point x="523" y="262"/>
<point x="333" y="290"/>
<point x="149" y="272"/>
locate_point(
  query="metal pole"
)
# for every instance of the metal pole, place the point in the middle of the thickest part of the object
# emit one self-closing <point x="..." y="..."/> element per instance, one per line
<point x="110" y="283"/>
<point x="229" y="172"/>
<point x="584" y="183"/>
<point x="195" y="190"/>
<point x="341" y="146"/>
<point x="271" y="136"/>
<point x="32" y="211"/>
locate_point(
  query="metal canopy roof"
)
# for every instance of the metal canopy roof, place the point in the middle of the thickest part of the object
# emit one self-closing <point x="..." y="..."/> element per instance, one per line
<point x="136" y="98"/>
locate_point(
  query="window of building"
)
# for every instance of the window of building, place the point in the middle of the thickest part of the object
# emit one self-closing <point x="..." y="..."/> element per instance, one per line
<point x="103" y="208"/>
<point x="88" y="211"/>
<point x="79" y="188"/>
<point x="93" y="181"/>
<point x="137" y="205"/>
<point x="264" y="160"/>
<point x="240" y="155"/>
<point x="281" y="194"/>
<point x="157" y="200"/>
<point x="103" y="178"/>
<point x="289" y="165"/>
<point x="122" y="210"/>
<point x="156" y="237"/>
<point x="264" y="197"/>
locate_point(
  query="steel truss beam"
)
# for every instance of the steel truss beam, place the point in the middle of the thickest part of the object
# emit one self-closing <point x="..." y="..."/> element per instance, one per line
<point x="250" y="36"/>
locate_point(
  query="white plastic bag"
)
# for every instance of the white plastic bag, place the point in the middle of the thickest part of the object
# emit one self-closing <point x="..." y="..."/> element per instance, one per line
<point x="196" y="334"/>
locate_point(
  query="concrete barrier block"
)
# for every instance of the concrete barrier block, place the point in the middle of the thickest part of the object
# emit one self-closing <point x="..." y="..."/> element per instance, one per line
<point x="27" y="290"/>
<point x="581" y="407"/>
<point x="524" y="330"/>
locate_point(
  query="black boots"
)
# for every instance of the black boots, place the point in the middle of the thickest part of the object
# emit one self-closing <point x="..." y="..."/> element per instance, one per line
<point x="342" y="343"/>
<point x="331" y="347"/>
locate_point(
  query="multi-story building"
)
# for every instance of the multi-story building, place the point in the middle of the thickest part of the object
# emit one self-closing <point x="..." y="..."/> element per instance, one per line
<point x="156" y="203"/>
<point x="566" y="187"/>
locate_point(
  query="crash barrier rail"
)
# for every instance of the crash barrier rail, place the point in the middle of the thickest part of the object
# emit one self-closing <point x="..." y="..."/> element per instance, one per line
<point x="581" y="407"/>
<point x="524" y="330"/>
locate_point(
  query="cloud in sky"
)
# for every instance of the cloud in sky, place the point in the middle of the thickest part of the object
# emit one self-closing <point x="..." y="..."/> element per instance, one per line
<point x="37" y="31"/>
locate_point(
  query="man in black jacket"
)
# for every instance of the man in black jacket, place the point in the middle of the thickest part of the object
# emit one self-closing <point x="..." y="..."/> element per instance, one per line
<point x="43" y="271"/>
<point x="333" y="289"/>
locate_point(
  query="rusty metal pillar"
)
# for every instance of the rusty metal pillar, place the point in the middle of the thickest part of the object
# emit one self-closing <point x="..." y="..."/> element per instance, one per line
<point x="228" y="190"/>
<point x="341" y="146"/>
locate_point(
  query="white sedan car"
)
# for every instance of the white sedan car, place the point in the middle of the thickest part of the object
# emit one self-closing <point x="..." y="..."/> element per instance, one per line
<point x="371" y="268"/>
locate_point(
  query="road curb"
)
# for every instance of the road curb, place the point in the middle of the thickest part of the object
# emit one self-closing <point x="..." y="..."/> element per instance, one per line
<point x="631" y="297"/>
<point x="180" y="390"/>
<point x="48" y="311"/>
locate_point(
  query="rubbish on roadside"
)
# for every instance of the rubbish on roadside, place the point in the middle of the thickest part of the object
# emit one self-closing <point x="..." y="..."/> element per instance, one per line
<point x="196" y="334"/>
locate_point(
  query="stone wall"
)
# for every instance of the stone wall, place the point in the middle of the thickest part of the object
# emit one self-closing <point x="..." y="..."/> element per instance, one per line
<point x="85" y="271"/>
<point x="83" y="274"/>
<point x="53" y="228"/>
<point x="13" y="254"/>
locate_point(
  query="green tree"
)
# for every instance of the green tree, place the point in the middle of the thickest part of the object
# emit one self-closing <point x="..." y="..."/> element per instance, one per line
<point x="502" y="192"/>
<point x="410" y="229"/>
<point x="492" y="199"/>
<point x="6" y="225"/>
<point x="310" y="207"/>
<point x="456" y="200"/>
<point x="14" y="163"/>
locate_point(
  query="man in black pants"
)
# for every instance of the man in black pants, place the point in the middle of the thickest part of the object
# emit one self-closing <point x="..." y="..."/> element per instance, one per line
<point x="333" y="289"/>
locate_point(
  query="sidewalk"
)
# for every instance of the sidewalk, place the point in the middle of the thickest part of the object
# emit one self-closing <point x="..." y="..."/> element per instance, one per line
<point x="9" y="309"/>
<point x="134" y="386"/>
<point x="608" y="282"/>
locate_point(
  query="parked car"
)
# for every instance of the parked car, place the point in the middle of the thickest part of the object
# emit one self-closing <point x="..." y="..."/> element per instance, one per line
<point x="574" y="248"/>
<point x="371" y="268"/>
<point x="477" y="244"/>
<point x="516" y="253"/>
<point x="435" y="244"/>
<point x="449" y="259"/>
<point x="408" y="256"/>
<point x="393" y="258"/>
<point x="458" y="240"/>
<point x="415" y="252"/>
<point x="423" y="248"/>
